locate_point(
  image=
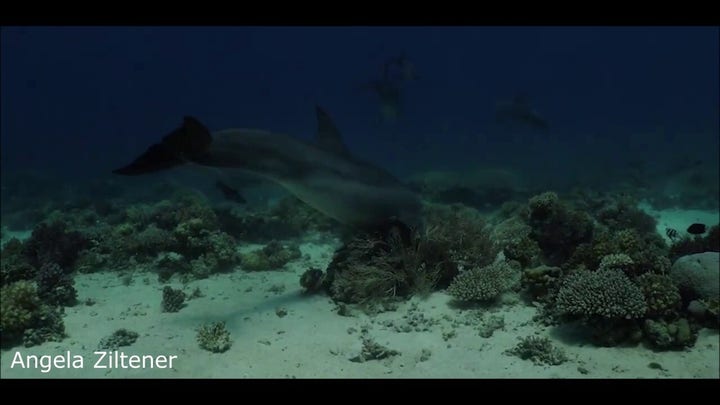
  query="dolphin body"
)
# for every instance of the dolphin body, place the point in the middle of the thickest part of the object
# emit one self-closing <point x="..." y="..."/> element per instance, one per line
<point x="323" y="174"/>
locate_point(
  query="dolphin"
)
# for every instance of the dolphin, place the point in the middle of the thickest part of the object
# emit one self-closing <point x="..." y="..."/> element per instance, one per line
<point x="400" y="69"/>
<point x="518" y="110"/>
<point x="395" y="73"/>
<point x="323" y="174"/>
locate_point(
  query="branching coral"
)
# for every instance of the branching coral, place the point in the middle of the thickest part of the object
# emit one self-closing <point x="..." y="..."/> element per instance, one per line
<point x="539" y="350"/>
<point x="648" y="252"/>
<point x="618" y="261"/>
<point x="603" y="293"/>
<point x="119" y="338"/>
<point x="462" y="231"/>
<point x="371" y="268"/>
<point x="214" y="337"/>
<point x="484" y="283"/>
<point x="172" y="300"/>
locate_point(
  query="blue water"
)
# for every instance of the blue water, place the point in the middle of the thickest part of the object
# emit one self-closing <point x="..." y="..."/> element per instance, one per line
<point x="573" y="148"/>
<point x="80" y="99"/>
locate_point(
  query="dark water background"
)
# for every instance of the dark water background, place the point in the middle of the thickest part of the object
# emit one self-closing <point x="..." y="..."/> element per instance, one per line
<point x="80" y="101"/>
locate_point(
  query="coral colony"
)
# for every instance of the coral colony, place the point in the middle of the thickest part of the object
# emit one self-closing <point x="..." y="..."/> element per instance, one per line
<point x="593" y="261"/>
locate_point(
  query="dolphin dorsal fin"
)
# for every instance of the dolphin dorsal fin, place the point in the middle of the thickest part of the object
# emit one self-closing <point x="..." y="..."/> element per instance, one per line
<point x="328" y="137"/>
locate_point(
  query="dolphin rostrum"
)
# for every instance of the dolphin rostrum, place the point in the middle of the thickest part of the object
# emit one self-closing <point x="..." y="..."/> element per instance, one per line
<point x="323" y="173"/>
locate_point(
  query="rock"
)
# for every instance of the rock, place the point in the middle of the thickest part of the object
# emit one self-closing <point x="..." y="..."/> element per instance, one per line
<point x="698" y="275"/>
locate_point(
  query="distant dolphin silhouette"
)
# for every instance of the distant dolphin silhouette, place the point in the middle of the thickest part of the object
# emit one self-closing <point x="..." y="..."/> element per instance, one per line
<point x="323" y="173"/>
<point x="395" y="73"/>
<point x="390" y="98"/>
<point x="519" y="110"/>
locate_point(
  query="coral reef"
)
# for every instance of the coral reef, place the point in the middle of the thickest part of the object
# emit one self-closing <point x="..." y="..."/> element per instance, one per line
<point x="696" y="244"/>
<point x="556" y="227"/>
<point x="688" y="245"/>
<point x="648" y="252"/>
<point x="300" y="216"/>
<point x="14" y="265"/>
<point x="168" y="263"/>
<point x="665" y="335"/>
<point x="54" y="286"/>
<point x="698" y="275"/>
<point x="18" y="303"/>
<point x="119" y="338"/>
<point x="312" y="280"/>
<point x="512" y="237"/>
<point x="24" y="316"/>
<point x="54" y="244"/>
<point x="289" y="218"/>
<point x="620" y="212"/>
<point x="214" y="337"/>
<point x="372" y="350"/>
<point x="541" y="281"/>
<point x="180" y="235"/>
<point x="539" y="350"/>
<point x="480" y="188"/>
<point x="254" y="226"/>
<point x="705" y="312"/>
<point x="602" y="293"/>
<point x="49" y="327"/>
<point x="172" y="300"/>
<point x="484" y="283"/>
<point x="661" y="295"/>
<point x="616" y="261"/>
<point x="369" y="268"/>
<point x="462" y="231"/>
<point x="272" y="256"/>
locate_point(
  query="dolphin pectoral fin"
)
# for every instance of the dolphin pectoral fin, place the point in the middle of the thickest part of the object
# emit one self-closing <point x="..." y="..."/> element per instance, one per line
<point x="187" y="142"/>
<point x="230" y="193"/>
<point x="328" y="136"/>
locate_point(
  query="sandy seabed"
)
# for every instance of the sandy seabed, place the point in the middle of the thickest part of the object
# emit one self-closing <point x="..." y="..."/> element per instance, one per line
<point x="279" y="332"/>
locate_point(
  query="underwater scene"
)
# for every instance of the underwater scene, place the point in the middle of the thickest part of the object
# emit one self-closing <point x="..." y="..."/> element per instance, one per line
<point x="360" y="202"/>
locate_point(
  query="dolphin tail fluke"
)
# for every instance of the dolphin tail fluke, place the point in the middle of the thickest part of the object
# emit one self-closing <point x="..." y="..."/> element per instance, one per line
<point x="187" y="142"/>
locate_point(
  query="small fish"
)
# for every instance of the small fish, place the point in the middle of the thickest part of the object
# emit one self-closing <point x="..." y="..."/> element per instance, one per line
<point x="230" y="193"/>
<point x="697" y="229"/>
<point x="671" y="233"/>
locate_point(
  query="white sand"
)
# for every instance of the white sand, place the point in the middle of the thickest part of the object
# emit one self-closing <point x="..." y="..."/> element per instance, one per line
<point x="312" y="340"/>
<point x="680" y="219"/>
